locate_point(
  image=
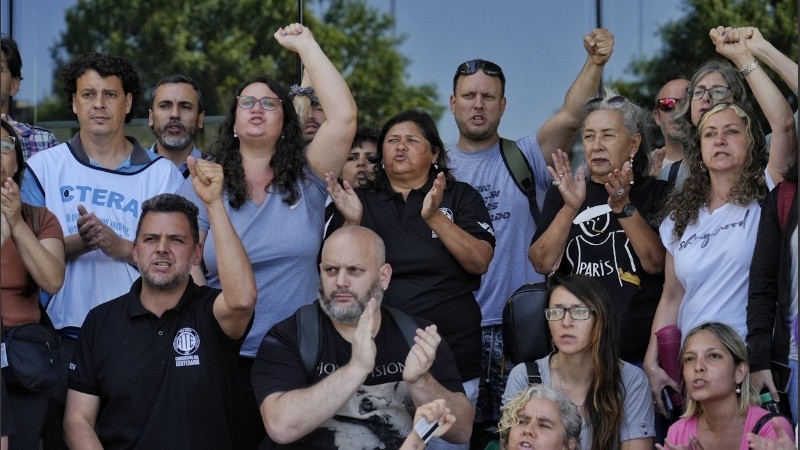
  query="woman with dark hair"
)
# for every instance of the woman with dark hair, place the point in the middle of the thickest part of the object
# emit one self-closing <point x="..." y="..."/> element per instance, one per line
<point x="611" y="395"/>
<point x="601" y="226"/>
<point x="275" y="193"/>
<point x="32" y="248"/>
<point x="437" y="232"/>
<point x="722" y="407"/>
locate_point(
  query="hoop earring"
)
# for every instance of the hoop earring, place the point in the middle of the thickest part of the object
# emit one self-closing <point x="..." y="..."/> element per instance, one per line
<point x="382" y="166"/>
<point x="703" y="166"/>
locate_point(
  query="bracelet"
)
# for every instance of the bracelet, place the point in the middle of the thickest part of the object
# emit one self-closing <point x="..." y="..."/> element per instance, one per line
<point x="746" y="70"/>
<point x="307" y="91"/>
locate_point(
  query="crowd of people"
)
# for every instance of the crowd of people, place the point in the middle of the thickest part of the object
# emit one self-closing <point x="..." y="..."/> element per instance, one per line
<point x="305" y="283"/>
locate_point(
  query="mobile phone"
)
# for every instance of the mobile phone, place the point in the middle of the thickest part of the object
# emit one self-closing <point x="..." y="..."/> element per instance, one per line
<point x="425" y="429"/>
<point x="673" y="413"/>
<point x="781" y="376"/>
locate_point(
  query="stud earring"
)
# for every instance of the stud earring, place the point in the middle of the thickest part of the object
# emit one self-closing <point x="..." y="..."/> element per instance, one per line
<point x="235" y="135"/>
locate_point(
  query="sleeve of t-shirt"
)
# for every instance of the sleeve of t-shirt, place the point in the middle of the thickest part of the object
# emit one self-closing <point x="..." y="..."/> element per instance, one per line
<point x="552" y="204"/>
<point x="81" y="366"/>
<point x="278" y="366"/>
<point x="517" y="381"/>
<point x="639" y="420"/>
<point x="30" y="191"/>
<point x="186" y="190"/>
<point x="444" y="368"/>
<point x="665" y="232"/>
<point x="472" y="215"/>
<point x="533" y="152"/>
<point x="49" y="227"/>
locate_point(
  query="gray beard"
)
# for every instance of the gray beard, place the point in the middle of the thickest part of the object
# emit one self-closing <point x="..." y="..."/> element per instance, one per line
<point x="349" y="315"/>
<point x="175" y="143"/>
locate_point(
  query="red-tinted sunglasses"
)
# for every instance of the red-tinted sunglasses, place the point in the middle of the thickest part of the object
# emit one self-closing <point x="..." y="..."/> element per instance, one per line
<point x="668" y="104"/>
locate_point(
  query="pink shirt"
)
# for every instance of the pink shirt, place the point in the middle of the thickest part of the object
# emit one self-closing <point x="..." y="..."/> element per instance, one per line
<point x="680" y="431"/>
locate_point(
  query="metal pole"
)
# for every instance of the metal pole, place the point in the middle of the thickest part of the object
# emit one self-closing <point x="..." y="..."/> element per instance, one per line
<point x="598" y="7"/>
<point x="299" y="62"/>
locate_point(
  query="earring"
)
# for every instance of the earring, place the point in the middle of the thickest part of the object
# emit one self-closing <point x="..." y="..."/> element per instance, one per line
<point x="281" y="136"/>
<point x="436" y="166"/>
<point x="702" y="166"/>
<point x="738" y="388"/>
<point x="235" y="135"/>
<point x="631" y="161"/>
<point x="382" y="166"/>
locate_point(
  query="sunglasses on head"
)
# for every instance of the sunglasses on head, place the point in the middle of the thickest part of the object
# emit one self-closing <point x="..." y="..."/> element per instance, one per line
<point x="489" y="68"/>
<point x="668" y="104"/>
<point x="615" y="100"/>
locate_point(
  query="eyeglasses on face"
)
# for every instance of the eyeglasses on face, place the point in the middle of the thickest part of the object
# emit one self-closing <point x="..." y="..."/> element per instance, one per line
<point x="248" y="102"/>
<point x="576" y="313"/>
<point x="615" y="100"/>
<point x="489" y="68"/>
<point x="8" y="144"/>
<point x="668" y="104"/>
<point x="716" y="92"/>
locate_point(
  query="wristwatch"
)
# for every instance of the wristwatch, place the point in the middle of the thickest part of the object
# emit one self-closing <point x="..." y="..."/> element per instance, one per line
<point x="627" y="211"/>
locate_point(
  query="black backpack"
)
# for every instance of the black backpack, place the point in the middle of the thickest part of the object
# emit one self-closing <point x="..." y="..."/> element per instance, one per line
<point x="526" y="336"/>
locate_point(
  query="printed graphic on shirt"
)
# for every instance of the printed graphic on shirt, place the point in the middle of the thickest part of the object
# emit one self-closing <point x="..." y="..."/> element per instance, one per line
<point x="378" y="416"/>
<point x="705" y="238"/>
<point x="598" y="254"/>
<point x="449" y="214"/>
<point x="491" y="197"/>
<point x="186" y="343"/>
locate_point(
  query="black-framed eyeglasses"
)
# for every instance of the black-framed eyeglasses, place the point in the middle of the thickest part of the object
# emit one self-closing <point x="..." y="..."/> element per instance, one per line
<point x="716" y="92"/>
<point x="8" y="144"/>
<point x="489" y="68"/>
<point x="576" y="313"/>
<point x="668" y="104"/>
<point x="615" y="100"/>
<point x="248" y="102"/>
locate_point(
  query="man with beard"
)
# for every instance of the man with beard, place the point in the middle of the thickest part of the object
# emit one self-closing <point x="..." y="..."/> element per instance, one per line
<point x="670" y="98"/>
<point x="367" y="380"/>
<point x="152" y="368"/>
<point x="175" y="116"/>
<point x="478" y="103"/>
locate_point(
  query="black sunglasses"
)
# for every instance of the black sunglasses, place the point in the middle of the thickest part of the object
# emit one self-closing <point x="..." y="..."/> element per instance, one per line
<point x="489" y="68"/>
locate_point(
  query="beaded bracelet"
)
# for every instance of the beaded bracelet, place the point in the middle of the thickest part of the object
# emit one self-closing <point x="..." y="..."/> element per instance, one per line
<point x="746" y="70"/>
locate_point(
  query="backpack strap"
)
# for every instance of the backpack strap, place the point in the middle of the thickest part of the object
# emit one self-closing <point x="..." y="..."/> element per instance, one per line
<point x="763" y="421"/>
<point x="521" y="172"/>
<point x="673" y="172"/>
<point x="534" y="376"/>
<point x="309" y="337"/>
<point x="786" y="193"/>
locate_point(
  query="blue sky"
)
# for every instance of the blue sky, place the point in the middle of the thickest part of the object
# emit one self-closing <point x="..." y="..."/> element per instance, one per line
<point x="536" y="42"/>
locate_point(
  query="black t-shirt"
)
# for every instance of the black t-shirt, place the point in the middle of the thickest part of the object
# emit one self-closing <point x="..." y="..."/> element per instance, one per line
<point x="427" y="281"/>
<point x="379" y="414"/>
<point x="162" y="382"/>
<point x="600" y="249"/>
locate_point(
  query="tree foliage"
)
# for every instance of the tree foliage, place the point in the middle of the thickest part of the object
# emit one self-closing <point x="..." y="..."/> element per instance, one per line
<point x="221" y="43"/>
<point x="686" y="44"/>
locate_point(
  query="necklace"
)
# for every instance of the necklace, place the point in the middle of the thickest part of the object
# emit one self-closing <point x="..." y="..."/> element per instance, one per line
<point x="561" y="386"/>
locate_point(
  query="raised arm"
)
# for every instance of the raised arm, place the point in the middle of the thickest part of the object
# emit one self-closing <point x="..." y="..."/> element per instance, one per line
<point x="424" y="388"/>
<point x="559" y="131"/>
<point x="80" y="418"/>
<point x="43" y="259"/>
<point x="766" y="53"/>
<point x="331" y="145"/>
<point x="290" y="415"/>
<point x="730" y="42"/>
<point x="234" y="307"/>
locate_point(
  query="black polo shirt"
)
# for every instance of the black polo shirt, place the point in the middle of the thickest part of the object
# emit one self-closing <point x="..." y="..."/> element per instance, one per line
<point x="427" y="281"/>
<point x="162" y="382"/>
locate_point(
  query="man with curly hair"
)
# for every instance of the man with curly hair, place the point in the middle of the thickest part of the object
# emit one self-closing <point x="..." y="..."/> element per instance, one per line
<point x="95" y="184"/>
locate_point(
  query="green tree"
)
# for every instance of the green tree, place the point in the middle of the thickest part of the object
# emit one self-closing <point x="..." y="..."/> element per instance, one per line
<point x="222" y="43"/>
<point x="686" y="44"/>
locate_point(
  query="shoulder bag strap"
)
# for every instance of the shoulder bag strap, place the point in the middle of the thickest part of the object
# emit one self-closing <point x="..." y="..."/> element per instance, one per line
<point x="534" y="376"/>
<point x="521" y="172"/>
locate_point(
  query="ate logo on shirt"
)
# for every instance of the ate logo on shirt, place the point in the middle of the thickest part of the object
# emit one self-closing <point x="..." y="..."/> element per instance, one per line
<point x="186" y="343"/>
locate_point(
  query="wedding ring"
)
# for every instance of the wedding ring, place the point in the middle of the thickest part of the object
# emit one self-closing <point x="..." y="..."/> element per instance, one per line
<point x="556" y="183"/>
<point x="620" y="191"/>
<point x="657" y="402"/>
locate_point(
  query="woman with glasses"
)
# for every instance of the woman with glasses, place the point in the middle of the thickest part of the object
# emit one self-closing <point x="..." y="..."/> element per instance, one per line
<point x="611" y="395"/>
<point x="719" y="81"/>
<point x="597" y="223"/>
<point x="722" y="407"/>
<point x="32" y="249"/>
<point x="710" y="231"/>
<point x="275" y="194"/>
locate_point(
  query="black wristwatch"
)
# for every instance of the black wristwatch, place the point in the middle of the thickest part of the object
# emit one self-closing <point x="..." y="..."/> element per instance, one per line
<point x="627" y="211"/>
